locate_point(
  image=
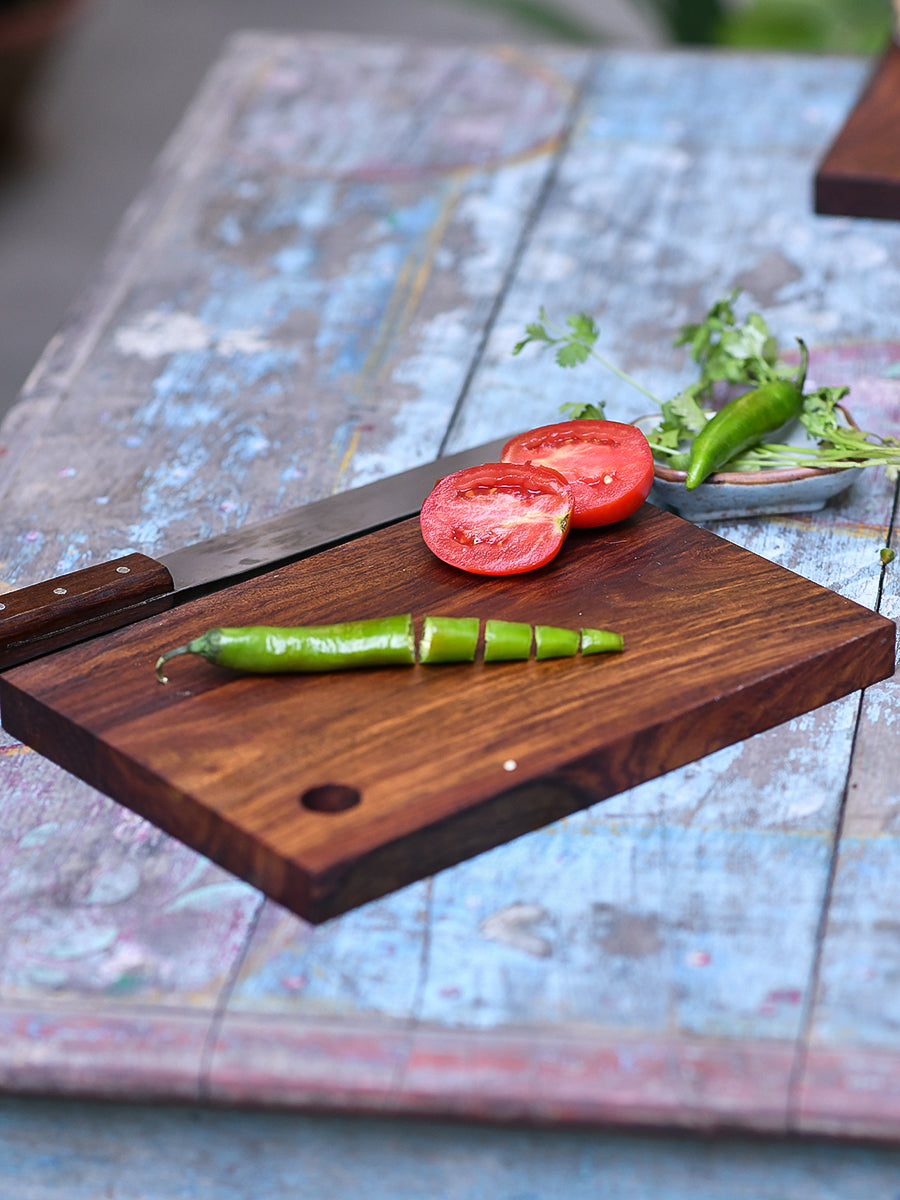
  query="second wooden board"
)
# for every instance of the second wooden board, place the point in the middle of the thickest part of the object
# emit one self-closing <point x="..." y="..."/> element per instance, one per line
<point x="860" y="174"/>
<point x="437" y="763"/>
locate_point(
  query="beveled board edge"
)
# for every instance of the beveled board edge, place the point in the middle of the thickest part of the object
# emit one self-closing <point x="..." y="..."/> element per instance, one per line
<point x="578" y="784"/>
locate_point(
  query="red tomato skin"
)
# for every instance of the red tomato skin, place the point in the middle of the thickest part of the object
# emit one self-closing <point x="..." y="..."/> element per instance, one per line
<point x="497" y="518"/>
<point x="610" y="475"/>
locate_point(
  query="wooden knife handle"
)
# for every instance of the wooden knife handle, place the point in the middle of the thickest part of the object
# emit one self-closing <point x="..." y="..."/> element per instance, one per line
<point x="59" y="612"/>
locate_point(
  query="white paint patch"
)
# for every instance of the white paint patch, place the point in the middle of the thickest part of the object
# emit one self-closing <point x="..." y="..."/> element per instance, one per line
<point x="159" y="334"/>
<point x="214" y="897"/>
<point x="512" y="927"/>
<point x="864" y="253"/>
<point x="490" y="215"/>
<point x="115" y="884"/>
<point x="553" y="266"/>
<point x="806" y="806"/>
<point x="38" y="836"/>
<point x="242" y="341"/>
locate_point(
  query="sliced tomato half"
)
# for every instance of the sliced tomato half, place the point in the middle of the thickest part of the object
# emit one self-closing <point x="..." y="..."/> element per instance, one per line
<point x="608" y="464"/>
<point x="497" y="518"/>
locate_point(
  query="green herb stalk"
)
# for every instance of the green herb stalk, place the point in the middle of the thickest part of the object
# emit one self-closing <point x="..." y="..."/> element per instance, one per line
<point x="728" y="353"/>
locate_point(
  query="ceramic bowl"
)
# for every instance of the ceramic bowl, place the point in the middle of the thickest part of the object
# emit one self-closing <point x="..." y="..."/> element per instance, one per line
<point x="750" y="493"/>
<point x="733" y="494"/>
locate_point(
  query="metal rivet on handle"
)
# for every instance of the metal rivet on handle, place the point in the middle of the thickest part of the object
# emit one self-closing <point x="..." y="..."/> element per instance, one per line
<point x="2" y="606"/>
<point x="59" y="591"/>
<point x="124" y="570"/>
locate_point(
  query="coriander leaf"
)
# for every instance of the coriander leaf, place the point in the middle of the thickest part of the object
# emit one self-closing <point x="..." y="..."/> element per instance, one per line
<point x="685" y="409"/>
<point x="533" y="333"/>
<point x="727" y="352"/>
<point x="732" y="353"/>
<point x="584" y="412"/>
<point x="682" y="418"/>
<point x="571" y="354"/>
<point x="583" y="327"/>
<point x="575" y="344"/>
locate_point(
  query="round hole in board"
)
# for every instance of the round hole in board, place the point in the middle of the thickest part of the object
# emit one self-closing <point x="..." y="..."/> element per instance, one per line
<point x="330" y="798"/>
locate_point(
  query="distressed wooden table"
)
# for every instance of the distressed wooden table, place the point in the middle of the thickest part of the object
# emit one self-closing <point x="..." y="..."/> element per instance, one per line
<point x="321" y="285"/>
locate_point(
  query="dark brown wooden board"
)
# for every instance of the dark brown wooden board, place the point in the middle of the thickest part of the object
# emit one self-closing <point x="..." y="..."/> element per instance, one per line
<point x="860" y="173"/>
<point x="720" y="644"/>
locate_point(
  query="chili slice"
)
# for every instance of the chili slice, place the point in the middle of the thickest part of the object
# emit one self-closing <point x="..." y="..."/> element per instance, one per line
<point x="448" y="639"/>
<point x="506" y="641"/>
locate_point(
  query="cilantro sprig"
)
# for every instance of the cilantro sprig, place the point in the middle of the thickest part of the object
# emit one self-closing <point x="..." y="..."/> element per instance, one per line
<point x="575" y="343"/>
<point x="728" y="353"/>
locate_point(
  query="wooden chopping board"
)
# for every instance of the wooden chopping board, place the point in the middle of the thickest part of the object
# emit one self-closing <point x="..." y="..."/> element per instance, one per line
<point x="425" y="765"/>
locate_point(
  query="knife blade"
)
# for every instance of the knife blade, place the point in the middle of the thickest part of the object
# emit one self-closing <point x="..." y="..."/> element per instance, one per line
<point x="48" y="616"/>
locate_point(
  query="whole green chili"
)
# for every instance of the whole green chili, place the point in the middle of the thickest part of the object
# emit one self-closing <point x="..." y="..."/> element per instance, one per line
<point x="384" y="641"/>
<point x="744" y="422"/>
<point x="267" y="649"/>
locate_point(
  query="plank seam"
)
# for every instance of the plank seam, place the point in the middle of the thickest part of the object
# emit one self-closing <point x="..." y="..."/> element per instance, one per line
<point x="414" y="1020"/>
<point x="220" y="1011"/>
<point x="795" y="1080"/>
<point x="888" y="541"/>
<point x="578" y="93"/>
<point x="798" y="1070"/>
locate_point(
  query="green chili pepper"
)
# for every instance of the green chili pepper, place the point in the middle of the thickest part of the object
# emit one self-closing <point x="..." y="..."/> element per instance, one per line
<point x="381" y="641"/>
<point x="506" y="641"/>
<point x="601" y="641"/>
<point x="744" y="422"/>
<point x="385" y="641"/>
<point x="448" y="639"/>
<point x="550" y="642"/>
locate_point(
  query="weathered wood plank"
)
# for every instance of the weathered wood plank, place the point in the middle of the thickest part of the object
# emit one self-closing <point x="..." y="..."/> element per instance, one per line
<point x="291" y="306"/>
<point x="294" y="287"/>
<point x="54" y="1148"/>
<point x="591" y="250"/>
<point x="852" y="1063"/>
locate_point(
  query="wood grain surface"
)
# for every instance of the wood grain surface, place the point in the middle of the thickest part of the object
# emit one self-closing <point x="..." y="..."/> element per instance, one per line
<point x="443" y="762"/>
<point x="321" y="285"/>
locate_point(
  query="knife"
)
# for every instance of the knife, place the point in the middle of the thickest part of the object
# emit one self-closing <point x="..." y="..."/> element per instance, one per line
<point x="48" y="616"/>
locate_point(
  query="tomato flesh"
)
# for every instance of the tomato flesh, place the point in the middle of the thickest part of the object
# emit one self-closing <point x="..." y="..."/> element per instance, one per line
<point x="609" y="466"/>
<point x="497" y="518"/>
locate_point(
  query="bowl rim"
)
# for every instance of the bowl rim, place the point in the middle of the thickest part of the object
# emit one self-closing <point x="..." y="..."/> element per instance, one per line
<point x="746" y="478"/>
<point x="751" y="478"/>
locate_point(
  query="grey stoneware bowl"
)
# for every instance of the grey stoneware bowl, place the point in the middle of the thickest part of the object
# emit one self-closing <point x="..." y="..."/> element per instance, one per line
<point x="731" y="495"/>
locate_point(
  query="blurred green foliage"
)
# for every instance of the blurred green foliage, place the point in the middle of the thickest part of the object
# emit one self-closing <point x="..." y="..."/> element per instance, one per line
<point x="832" y="26"/>
<point x="543" y="17"/>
